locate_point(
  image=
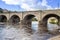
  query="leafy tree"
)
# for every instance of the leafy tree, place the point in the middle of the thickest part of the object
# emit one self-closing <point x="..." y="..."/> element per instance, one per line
<point x="34" y="19"/>
<point x="53" y="21"/>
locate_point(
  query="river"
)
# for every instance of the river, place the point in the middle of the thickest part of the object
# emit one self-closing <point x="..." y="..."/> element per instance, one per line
<point x="9" y="32"/>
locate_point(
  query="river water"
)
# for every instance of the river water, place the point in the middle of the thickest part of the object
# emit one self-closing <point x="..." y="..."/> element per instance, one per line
<point x="10" y="32"/>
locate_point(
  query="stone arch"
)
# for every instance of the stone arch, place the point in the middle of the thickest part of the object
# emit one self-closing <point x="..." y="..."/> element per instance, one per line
<point x="29" y="16"/>
<point x="35" y="15"/>
<point x="14" y="19"/>
<point x="43" y="24"/>
<point x="3" y="18"/>
<point x="46" y="17"/>
<point x="27" y="22"/>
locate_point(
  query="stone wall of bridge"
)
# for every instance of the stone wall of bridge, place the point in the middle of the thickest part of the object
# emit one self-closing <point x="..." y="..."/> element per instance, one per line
<point x="41" y="16"/>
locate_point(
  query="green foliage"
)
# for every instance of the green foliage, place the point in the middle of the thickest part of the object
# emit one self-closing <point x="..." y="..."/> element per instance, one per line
<point x="53" y="21"/>
<point x="1" y="10"/>
<point x="34" y="19"/>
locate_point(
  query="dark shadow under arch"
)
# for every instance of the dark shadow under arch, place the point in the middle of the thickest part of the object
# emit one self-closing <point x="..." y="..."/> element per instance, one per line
<point x="14" y="19"/>
<point x="3" y="18"/>
<point x="28" y="17"/>
<point x="50" y="15"/>
<point x="27" y="22"/>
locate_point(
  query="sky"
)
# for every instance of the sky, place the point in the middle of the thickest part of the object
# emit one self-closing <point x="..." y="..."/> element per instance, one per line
<point x="28" y="5"/>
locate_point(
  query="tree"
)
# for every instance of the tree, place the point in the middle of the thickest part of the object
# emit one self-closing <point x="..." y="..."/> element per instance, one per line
<point x="53" y="21"/>
<point x="1" y="10"/>
<point x="34" y="19"/>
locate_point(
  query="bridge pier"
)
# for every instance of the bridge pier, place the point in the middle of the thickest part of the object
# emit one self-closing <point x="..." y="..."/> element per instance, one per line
<point x="26" y="25"/>
<point x="42" y="28"/>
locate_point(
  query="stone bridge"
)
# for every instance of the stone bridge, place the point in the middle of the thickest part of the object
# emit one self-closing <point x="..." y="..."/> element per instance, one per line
<point x="24" y="18"/>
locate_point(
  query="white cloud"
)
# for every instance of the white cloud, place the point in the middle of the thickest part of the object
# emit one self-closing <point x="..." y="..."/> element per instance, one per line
<point x="44" y="2"/>
<point x="29" y="4"/>
<point x="11" y="2"/>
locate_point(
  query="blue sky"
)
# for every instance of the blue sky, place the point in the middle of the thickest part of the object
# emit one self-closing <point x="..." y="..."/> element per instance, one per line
<point x="27" y="5"/>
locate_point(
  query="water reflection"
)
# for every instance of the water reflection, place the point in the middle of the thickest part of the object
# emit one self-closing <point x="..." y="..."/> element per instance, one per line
<point x="10" y="32"/>
<point x="1" y="31"/>
<point x="50" y="26"/>
<point x="35" y="25"/>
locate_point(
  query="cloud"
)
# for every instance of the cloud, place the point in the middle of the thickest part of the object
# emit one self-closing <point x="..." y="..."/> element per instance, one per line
<point x="11" y="2"/>
<point x="29" y="4"/>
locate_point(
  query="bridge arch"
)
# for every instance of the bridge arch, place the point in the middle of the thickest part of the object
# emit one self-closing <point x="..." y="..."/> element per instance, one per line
<point x="45" y="19"/>
<point x="27" y="21"/>
<point x="3" y="18"/>
<point x="14" y="19"/>
<point x="36" y="15"/>
<point x="29" y="16"/>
